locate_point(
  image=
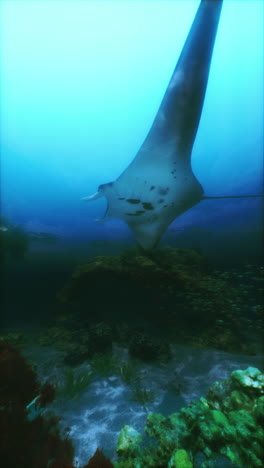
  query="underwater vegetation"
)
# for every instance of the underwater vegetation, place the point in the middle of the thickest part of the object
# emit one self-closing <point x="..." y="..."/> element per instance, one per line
<point x="117" y="312"/>
<point x="73" y="384"/>
<point x="142" y="395"/>
<point x="228" y="423"/>
<point x="128" y="373"/>
<point x="104" y="364"/>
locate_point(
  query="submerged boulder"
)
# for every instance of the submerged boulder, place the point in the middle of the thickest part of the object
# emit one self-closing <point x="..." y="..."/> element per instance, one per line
<point x="148" y="348"/>
<point x="166" y="290"/>
<point x="250" y="379"/>
<point x="131" y="278"/>
<point x="128" y="440"/>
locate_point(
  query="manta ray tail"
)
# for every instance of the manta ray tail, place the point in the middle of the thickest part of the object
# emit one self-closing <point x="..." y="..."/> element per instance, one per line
<point x="232" y="196"/>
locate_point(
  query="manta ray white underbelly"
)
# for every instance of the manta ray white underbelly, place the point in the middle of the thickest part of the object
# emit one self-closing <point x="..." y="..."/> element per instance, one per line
<point x="159" y="184"/>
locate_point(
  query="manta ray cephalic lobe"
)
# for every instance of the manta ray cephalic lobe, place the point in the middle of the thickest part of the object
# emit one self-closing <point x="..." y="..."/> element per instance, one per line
<point x="159" y="184"/>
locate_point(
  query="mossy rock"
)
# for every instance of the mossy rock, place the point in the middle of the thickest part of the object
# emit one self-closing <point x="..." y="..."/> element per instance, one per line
<point x="211" y="426"/>
<point x="171" y="288"/>
<point x="239" y="400"/>
<point x="128" y="440"/>
<point x="180" y="459"/>
<point x="132" y="277"/>
<point x="250" y="380"/>
<point x="258" y="410"/>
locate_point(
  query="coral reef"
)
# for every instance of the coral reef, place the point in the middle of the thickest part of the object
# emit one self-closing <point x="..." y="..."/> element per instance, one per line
<point x="170" y="290"/>
<point x="228" y="423"/>
<point x="131" y="278"/>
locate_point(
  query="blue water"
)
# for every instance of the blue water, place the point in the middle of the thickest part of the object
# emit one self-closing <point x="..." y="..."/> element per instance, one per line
<point x="81" y="82"/>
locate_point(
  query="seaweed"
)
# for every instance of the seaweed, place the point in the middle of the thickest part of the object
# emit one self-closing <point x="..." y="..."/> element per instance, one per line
<point x="142" y="395"/>
<point x="104" y="364"/>
<point x="74" y="383"/>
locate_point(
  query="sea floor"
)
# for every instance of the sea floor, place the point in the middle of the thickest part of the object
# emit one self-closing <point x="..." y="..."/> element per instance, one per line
<point x="95" y="400"/>
<point x="93" y="412"/>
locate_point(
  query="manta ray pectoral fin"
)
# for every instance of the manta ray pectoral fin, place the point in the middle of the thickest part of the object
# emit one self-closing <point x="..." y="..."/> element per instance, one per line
<point x="104" y="190"/>
<point x="101" y="220"/>
<point x="93" y="197"/>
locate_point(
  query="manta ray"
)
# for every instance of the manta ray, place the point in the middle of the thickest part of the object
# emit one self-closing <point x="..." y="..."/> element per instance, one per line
<point x="159" y="184"/>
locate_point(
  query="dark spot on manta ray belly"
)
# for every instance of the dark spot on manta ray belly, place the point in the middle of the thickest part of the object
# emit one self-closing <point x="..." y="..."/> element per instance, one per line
<point x="134" y="201"/>
<point x="152" y="187"/>
<point x="137" y="213"/>
<point x="161" y="200"/>
<point x="121" y="198"/>
<point x="147" y="206"/>
<point x="163" y="191"/>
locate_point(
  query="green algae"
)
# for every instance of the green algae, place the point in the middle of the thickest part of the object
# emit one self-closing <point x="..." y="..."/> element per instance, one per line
<point x="216" y="426"/>
<point x="180" y="459"/>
